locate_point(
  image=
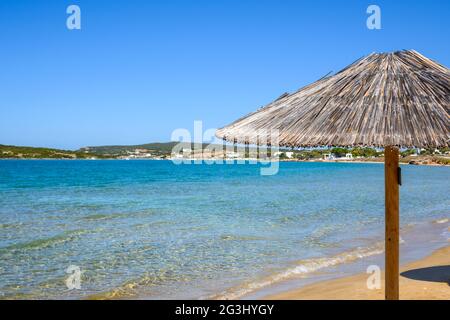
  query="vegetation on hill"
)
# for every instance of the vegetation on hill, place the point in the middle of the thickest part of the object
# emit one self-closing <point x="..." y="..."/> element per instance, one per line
<point x="157" y="149"/>
<point x="122" y="150"/>
<point x="164" y="150"/>
<point x="39" y="153"/>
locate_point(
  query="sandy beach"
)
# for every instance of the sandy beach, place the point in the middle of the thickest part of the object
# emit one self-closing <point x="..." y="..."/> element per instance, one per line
<point x="427" y="278"/>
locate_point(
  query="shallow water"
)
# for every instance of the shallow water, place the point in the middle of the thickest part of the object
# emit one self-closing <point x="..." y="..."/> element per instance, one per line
<point x="152" y="229"/>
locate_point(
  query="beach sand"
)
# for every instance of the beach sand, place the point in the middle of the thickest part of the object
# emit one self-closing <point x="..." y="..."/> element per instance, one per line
<point x="428" y="278"/>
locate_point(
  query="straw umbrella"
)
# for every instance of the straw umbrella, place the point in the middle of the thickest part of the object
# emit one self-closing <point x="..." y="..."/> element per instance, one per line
<point x="390" y="100"/>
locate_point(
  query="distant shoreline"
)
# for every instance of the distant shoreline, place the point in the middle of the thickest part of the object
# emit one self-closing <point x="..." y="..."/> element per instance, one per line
<point x="202" y="152"/>
<point x="228" y="161"/>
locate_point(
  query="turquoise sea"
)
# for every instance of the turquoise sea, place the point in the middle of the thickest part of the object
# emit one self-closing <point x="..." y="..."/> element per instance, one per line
<point x="153" y="229"/>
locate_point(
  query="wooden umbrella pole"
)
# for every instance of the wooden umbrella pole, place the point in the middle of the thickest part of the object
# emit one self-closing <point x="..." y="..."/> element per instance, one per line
<point x="391" y="176"/>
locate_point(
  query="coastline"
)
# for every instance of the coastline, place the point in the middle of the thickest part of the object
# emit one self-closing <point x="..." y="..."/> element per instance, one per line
<point x="227" y="160"/>
<point x="426" y="278"/>
<point x="339" y="277"/>
<point x="418" y="241"/>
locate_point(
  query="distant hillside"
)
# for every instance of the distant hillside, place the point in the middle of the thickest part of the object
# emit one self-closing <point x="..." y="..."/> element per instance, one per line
<point x="39" y="153"/>
<point x="163" y="150"/>
<point x="156" y="148"/>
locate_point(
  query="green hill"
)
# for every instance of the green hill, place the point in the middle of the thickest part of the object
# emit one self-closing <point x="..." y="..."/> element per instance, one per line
<point x="156" y="148"/>
<point x="39" y="153"/>
<point x="116" y="150"/>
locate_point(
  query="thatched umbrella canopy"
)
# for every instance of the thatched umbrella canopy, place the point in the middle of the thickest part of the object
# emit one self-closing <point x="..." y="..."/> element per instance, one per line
<point x="398" y="99"/>
<point x="391" y="100"/>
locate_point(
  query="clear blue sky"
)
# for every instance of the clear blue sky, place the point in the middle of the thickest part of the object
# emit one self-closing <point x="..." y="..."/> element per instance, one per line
<point x="137" y="70"/>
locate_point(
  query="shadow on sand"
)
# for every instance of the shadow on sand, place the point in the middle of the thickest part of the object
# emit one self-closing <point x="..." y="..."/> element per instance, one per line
<point x="433" y="274"/>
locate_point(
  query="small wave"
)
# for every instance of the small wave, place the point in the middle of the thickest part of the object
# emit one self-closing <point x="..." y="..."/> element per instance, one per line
<point x="129" y="289"/>
<point x="46" y="242"/>
<point x="150" y="224"/>
<point x="101" y="216"/>
<point x="441" y="221"/>
<point x="303" y="267"/>
<point x="125" y="290"/>
<point x="10" y="225"/>
<point x="230" y="237"/>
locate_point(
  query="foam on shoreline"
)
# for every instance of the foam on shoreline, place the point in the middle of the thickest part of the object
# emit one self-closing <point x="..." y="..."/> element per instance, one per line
<point x="301" y="268"/>
<point x="310" y="267"/>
